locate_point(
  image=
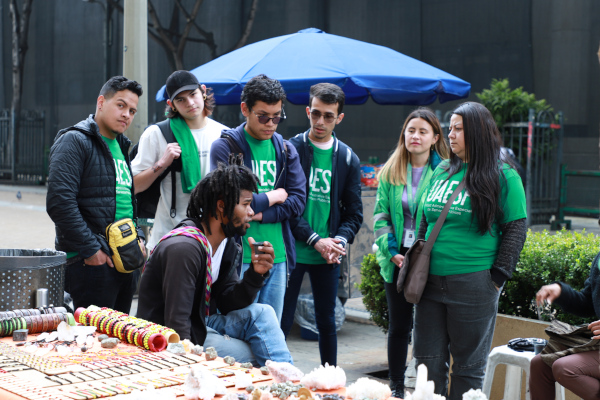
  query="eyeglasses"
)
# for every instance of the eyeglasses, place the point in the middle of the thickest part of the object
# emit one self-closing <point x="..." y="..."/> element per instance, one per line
<point x="315" y="115"/>
<point x="264" y="119"/>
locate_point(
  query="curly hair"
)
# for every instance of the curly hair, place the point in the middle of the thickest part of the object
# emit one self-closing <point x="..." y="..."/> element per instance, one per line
<point x="119" y="83"/>
<point x="223" y="183"/>
<point x="262" y="88"/>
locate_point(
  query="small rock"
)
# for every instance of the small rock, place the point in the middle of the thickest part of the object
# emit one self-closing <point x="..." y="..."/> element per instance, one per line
<point x="197" y="350"/>
<point x="264" y="370"/>
<point x="246" y="365"/>
<point x="249" y="389"/>
<point x="102" y="337"/>
<point x="176" y="348"/>
<point x="110" y="343"/>
<point x="229" y="360"/>
<point x="83" y="349"/>
<point x="210" y="354"/>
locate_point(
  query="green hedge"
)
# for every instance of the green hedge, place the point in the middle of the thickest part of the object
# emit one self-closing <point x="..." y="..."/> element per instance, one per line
<point x="371" y="286"/>
<point x="565" y="256"/>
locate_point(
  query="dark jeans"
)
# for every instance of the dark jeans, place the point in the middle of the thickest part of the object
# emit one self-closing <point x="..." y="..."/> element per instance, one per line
<point x="580" y="373"/>
<point x="101" y="286"/>
<point x="456" y="317"/>
<point x="400" y="320"/>
<point x="324" y="282"/>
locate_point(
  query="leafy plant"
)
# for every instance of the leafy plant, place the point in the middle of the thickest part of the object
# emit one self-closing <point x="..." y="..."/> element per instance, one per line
<point x="510" y="105"/>
<point x="371" y="286"/>
<point x="566" y="256"/>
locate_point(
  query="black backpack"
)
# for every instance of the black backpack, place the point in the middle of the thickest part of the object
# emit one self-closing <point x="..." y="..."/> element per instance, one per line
<point x="147" y="201"/>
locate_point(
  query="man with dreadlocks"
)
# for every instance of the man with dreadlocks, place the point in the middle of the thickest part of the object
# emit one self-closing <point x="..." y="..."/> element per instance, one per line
<point x="192" y="272"/>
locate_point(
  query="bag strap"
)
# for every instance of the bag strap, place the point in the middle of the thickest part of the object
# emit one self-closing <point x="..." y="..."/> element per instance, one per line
<point x="165" y="128"/>
<point x="233" y="146"/>
<point x="440" y="221"/>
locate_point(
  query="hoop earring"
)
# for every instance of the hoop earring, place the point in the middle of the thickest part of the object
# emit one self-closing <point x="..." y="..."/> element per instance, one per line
<point x="204" y="96"/>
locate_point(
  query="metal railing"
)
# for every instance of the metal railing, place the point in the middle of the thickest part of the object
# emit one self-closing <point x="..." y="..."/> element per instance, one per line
<point x="23" y="158"/>
<point x="537" y="144"/>
<point x="572" y="209"/>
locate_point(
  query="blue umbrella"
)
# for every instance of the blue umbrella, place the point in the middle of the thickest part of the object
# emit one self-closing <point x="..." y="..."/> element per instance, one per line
<point x="311" y="56"/>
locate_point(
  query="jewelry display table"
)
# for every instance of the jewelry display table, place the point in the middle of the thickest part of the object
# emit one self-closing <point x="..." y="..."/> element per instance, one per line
<point x="104" y="373"/>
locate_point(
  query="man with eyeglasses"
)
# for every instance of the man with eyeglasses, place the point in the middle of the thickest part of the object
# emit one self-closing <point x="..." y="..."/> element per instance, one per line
<point x="332" y="217"/>
<point x="281" y="184"/>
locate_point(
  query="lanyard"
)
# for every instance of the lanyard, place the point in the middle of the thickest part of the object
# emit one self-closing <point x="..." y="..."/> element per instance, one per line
<point x="413" y="205"/>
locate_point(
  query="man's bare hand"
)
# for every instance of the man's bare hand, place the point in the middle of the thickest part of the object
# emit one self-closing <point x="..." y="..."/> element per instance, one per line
<point x="330" y="250"/>
<point x="548" y="293"/>
<point x="257" y="217"/>
<point x="595" y="328"/>
<point x="262" y="263"/>
<point x="277" y="196"/>
<point x="100" y="258"/>
<point x="172" y="152"/>
<point x="142" y="244"/>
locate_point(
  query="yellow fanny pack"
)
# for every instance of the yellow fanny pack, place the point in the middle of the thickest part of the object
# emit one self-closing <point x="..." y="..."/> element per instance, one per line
<point x="125" y="245"/>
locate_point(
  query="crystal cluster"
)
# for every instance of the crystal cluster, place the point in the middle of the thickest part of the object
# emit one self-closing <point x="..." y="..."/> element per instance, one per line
<point x="283" y="372"/>
<point x="423" y="388"/>
<point x="326" y="377"/>
<point x="202" y="384"/>
<point x="365" y="388"/>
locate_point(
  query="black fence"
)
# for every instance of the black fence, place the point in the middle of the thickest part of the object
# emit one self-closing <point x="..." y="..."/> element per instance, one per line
<point x="537" y="143"/>
<point x="23" y="158"/>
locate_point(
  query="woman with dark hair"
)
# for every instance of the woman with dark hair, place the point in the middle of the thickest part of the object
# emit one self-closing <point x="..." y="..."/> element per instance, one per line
<point x="402" y="182"/>
<point x="475" y="253"/>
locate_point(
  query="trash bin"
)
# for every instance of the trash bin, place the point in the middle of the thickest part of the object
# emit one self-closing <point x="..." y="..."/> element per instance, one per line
<point x="305" y="316"/>
<point x="23" y="271"/>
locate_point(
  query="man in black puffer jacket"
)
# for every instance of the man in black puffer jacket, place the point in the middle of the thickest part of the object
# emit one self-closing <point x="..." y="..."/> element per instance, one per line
<point x="90" y="185"/>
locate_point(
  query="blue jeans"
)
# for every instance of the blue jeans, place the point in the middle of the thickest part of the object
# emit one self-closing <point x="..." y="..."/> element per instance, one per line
<point x="456" y="316"/>
<point x="256" y="325"/>
<point x="229" y="346"/>
<point x="324" y="280"/>
<point x="274" y="289"/>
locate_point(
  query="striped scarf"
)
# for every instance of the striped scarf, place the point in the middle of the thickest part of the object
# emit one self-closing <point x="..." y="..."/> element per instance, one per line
<point x="195" y="233"/>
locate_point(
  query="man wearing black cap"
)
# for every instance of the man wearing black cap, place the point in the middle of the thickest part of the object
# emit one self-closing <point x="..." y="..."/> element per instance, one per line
<point x="188" y="108"/>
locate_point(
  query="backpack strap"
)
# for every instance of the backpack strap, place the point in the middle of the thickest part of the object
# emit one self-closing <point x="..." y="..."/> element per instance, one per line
<point x="176" y="165"/>
<point x="233" y="146"/>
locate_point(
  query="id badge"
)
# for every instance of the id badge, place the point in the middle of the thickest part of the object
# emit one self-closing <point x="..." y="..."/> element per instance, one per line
<point x="409" y="238"/>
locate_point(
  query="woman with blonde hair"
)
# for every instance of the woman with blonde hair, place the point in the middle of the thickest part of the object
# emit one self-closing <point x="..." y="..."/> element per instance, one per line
<point x="403" y="180"/>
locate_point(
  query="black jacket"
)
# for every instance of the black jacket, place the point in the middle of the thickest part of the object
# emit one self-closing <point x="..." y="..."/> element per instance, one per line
<point x="174" y="282"/>
<point x="346" y="214"/>
<point x="290" y="178"/>
<point x="584" y="303"/>
<point x="82" y="192"/>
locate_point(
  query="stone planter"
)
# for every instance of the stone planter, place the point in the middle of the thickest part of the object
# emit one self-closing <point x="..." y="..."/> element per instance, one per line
<point x="509" y="327"/>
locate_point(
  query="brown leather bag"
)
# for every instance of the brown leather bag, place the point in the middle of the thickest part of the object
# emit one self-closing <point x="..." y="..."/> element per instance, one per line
<point x="414" y="272"/>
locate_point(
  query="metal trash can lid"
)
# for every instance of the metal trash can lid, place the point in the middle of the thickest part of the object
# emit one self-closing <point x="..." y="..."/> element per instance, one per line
<point x="31" y="258"/>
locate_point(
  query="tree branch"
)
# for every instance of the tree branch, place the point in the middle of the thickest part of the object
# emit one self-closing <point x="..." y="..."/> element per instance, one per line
<point x="190" y="18"/>
<point x="166" y="41"/>
<point x="248" y="28"/>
